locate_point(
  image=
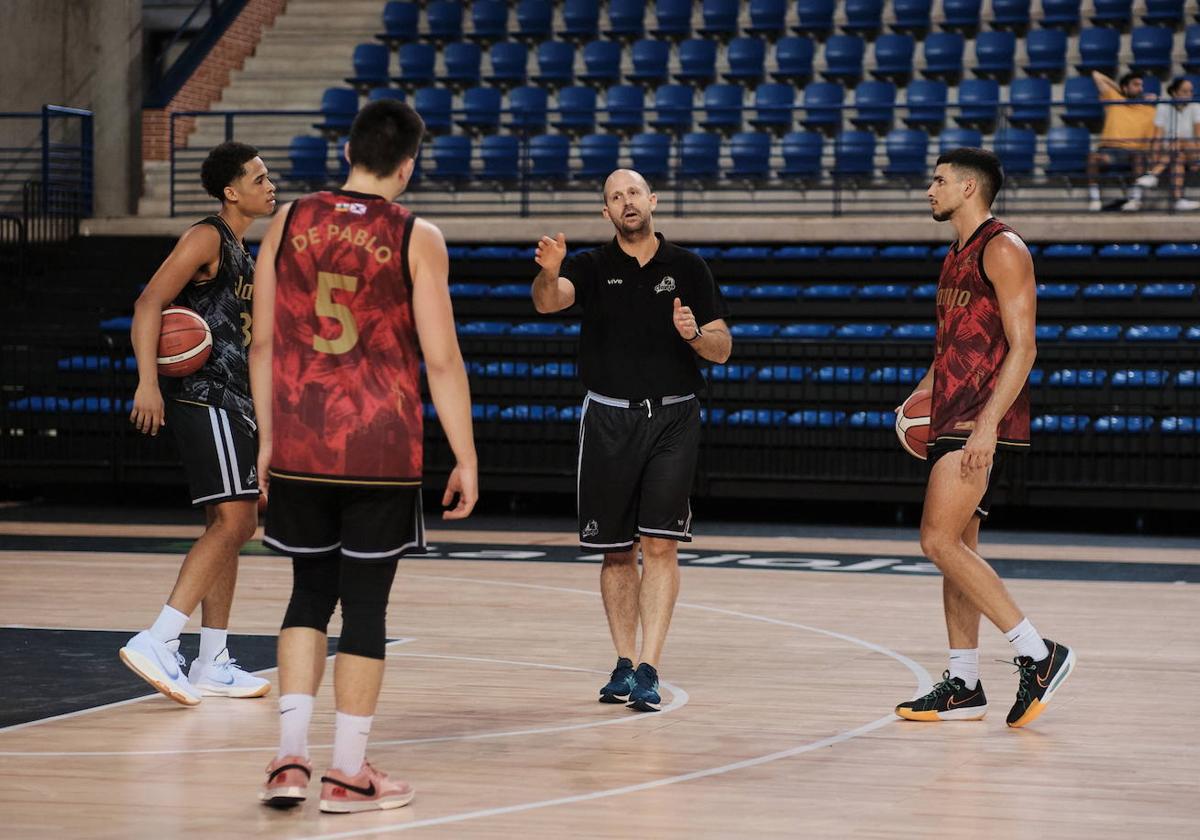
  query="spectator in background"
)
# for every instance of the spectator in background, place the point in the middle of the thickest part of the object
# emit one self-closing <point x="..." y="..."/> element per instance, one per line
<point x="1176" y="141"/>
<point x="1125" y="138"/>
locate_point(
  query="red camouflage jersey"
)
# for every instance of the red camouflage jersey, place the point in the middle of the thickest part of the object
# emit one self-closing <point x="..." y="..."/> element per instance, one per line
<point x="971" y="346"/>
<point x="347" y="399"/>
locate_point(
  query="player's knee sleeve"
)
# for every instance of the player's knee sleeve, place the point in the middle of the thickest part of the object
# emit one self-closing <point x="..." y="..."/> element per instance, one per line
<point x="314" y="592"/>
<point x="364" y="590"/>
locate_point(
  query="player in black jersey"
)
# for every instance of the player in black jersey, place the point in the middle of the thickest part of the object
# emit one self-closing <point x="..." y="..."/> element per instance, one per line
<point x="212" y="415"/>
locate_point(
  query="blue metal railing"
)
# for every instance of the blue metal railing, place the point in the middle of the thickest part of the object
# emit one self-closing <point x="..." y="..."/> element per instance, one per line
<point x="51" y="177"/>
<point x="165" y="81"/>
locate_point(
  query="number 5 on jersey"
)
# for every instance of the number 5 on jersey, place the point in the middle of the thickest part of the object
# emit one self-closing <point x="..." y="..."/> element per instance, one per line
<point x="325" y="307"/>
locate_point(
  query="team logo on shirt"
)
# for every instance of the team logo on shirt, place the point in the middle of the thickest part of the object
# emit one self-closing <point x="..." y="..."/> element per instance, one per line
<point x="666" y="285"/>
<point x="614" y="281"/>
<point x="591" y="529"/>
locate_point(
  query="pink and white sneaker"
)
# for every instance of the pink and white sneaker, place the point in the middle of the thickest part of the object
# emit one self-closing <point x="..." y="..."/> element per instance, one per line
<point x="287" y="782"/>
<point x="369" y="790"/>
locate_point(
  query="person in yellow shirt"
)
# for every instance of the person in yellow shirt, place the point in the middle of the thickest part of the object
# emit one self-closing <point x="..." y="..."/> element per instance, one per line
<point x="1125" y="140"/>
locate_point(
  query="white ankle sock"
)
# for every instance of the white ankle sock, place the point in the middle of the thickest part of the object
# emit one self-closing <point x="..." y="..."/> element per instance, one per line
<point x="964" y="664"/>
<point x="1094" y="193"/>
<point x="350" y="742"/>
<point x="212" y="642"/>
<point x="1026" y="641"/>
<point x="168" y="625"/>
<point x="295" y="712"/>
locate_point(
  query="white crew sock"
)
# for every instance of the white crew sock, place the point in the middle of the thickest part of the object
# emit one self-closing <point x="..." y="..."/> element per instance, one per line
<point x="964" y="664"/>
<point x="295" y="712"/>
<point x="350" y="742"/>
<point x="1026" y="641"/>
<point x="168" y="625"/>
<point x="1094" y="193"/>
<point x="212" y="642"/>
<point x="1135" y="193"/>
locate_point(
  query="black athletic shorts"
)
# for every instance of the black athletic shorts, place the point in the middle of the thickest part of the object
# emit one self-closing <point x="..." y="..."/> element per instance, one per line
<point x="219" y="449"/>
<point x="370" y="524"/>
<point x="1001" y="462"/>
<point x="636" y="464"/>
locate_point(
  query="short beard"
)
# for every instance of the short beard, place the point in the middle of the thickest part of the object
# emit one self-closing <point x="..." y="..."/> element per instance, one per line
<point x="639" y="226"/>
<point x="943" y="216"/>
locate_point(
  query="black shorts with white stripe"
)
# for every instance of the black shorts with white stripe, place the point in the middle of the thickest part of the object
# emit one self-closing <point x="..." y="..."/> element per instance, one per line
<point x="368" y="524"/>
<point x="219" y="449"/>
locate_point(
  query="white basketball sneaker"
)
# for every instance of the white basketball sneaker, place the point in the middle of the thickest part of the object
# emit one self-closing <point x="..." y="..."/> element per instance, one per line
<point x="160" y="664"/>
<point x="223" y="678"/>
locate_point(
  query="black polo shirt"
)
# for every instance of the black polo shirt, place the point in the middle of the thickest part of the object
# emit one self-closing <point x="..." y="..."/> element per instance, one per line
<point x="628" y="346"/>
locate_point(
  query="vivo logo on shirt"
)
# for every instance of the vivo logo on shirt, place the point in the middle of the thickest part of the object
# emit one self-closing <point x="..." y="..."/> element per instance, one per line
<point x="614" y="281"/>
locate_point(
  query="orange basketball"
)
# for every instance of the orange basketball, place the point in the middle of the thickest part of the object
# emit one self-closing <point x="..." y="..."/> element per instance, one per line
<point x="912" y="424"/>
<point x="184" y="343"/>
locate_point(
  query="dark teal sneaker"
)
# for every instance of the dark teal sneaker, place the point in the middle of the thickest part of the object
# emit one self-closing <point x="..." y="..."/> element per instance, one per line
<point x="620" y="684"/>
<point x="644" y="696"/>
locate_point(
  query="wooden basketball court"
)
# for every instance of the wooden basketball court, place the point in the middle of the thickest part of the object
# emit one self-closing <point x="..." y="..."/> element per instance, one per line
<point x="785" y="658"/>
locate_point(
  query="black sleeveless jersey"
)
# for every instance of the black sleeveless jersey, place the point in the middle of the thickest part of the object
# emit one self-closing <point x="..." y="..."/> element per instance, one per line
<point x="224" y="302"/>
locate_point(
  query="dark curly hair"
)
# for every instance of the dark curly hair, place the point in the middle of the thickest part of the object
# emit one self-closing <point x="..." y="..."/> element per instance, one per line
<point x="225" y="164"/>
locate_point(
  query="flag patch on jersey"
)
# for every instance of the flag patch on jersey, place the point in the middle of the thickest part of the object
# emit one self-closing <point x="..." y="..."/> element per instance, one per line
<point x="354" y="207"/>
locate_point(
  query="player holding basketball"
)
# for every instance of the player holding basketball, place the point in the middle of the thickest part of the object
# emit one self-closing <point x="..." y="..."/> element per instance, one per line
<point x="212" y="417"/>
<point x="352" y="291"/>
<point x="986" y="309"/>
<point x="651" y="312"/>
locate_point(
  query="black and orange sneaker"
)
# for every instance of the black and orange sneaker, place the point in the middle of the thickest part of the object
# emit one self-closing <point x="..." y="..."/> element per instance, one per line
<point x="1039" y="681"/>
<point x="949" y="700"/>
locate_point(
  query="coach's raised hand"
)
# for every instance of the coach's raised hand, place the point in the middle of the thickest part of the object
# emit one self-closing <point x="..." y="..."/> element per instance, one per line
<point x="551" y="253"/>
<point x="550" y="292"/>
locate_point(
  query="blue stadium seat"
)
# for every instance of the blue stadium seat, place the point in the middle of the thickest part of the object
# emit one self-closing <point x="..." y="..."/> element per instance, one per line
<point x="829" y="291"/>
<point x="1077" y="378"/>
<point x="576" y="111"/>
<point x="443" y="21"/>
<point x="451" y="158"/>
<point x="943" y="55"/>
<point x="1191" y="44"/>
<point x="502" y="370"/>
<point x="463" y="60"/>
<point x="549" y="156"/>
<point x="732" y="373"/>
<point x="802" y="151"/>
<point x="994" y="55"/>
<point x="1163" y="12"/>
<point x="1048" y="332"/>
<point x="581" y="20"/>
<point x="851" y="252"/>
<point x="903" y="375"/>
<point x="960" y="15"/>
<point x="489" y="21"/>
<point x="816" y="18"/>
<point x="650" y="58"/>
<point x="1193" y="333"/>
<point x="953" y="138"/>
<point x="1127" y="424"/>
<point x="766" y="18"/>
<point x="773" y="106"/>
<point x="731" y="292"/>
<point x="1112" y="13"/>
<point x="385" y="93"/>
<point x="904" y="252"/>
<point x="1169" y="291"/>
<point x="1046" y="53"/>
<point x="1068" y="251"/>
<point x="417" y="63"/>
<point x="469" y="290"/>
<point x="872" y="420"/>
<point x="527" y="109"/>
<point x="1153" y="332"/>
<point x="840" y="373"/>
<point x="822" y="105"/>
<point x="894" y="57"/>
<point x="863" y="17"/>
<point x="697" y="62"/>
<point x="508" y="63"/>
<point x="799" y="332"/>
<point x="434" y="105"/>
<point x="602" y="60"/>
<point x="1057" y="291"/>
<point x="978" y="103"/>
<point x="307" y="158"/>
<point x="722" y="108"/>
<point x="1135" y="378"/>
<point x="1010" y="14"/>
<point x="556" y="63"/>
<point x="1066" y="423"/>
<point x="1187" y="379"/>
<point x="1082" y="100"/>
<point x="535" y="19"/>
<point x="700" y="154"/>
<point x="673" y="19"/>
<point x="626" y="105"/>
<point x="1029" y="102"/>
<point x="1180" y="425"/>
<point x="844" y="57"/>
<point x="751" y="154"/>
<point x="673" y="108"/>
<point x="338" y="107"/>
<point x="925" y="102"/>
<point x="1125" y="251"/>
<point x="911" y="16"/>
<point x="1178" y="250"/>
<point x="875" y="104"/>
<point x="1060" y="14"/>
<point x="719" y="19"/>
<point x="484" y="328"/>
<point x="1016" y="148"/>
<point x="626" y="19"/>
<point x="1093" y="332"/>
<point x="1098" y="50"/>
<point x="400" y="22"/>
<point x="651" y="154"/>
<point x="542" y="329"/>
<point x="1067" y="148"/>
<point x="754" y="331"/>
<point x="554" y="370"/>
<point x="763" y="417"/>
<point x="370" y="66"/>
<point x="1152" y="48"/>
<point x="854" y="154"/>
<point x="915" y="332"/>
<point x="481" y="109"/>
<point x="598" y="155"/>
<point x="774" y="291"/>
<point x="793" y="59"/>
<point x="746" y="58"/>
<point x="816" y="418"/>
<point x="799" y="252"/>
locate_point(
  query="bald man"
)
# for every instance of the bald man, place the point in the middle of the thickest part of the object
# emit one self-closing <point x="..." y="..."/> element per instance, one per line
<point x="651" y="313"/>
